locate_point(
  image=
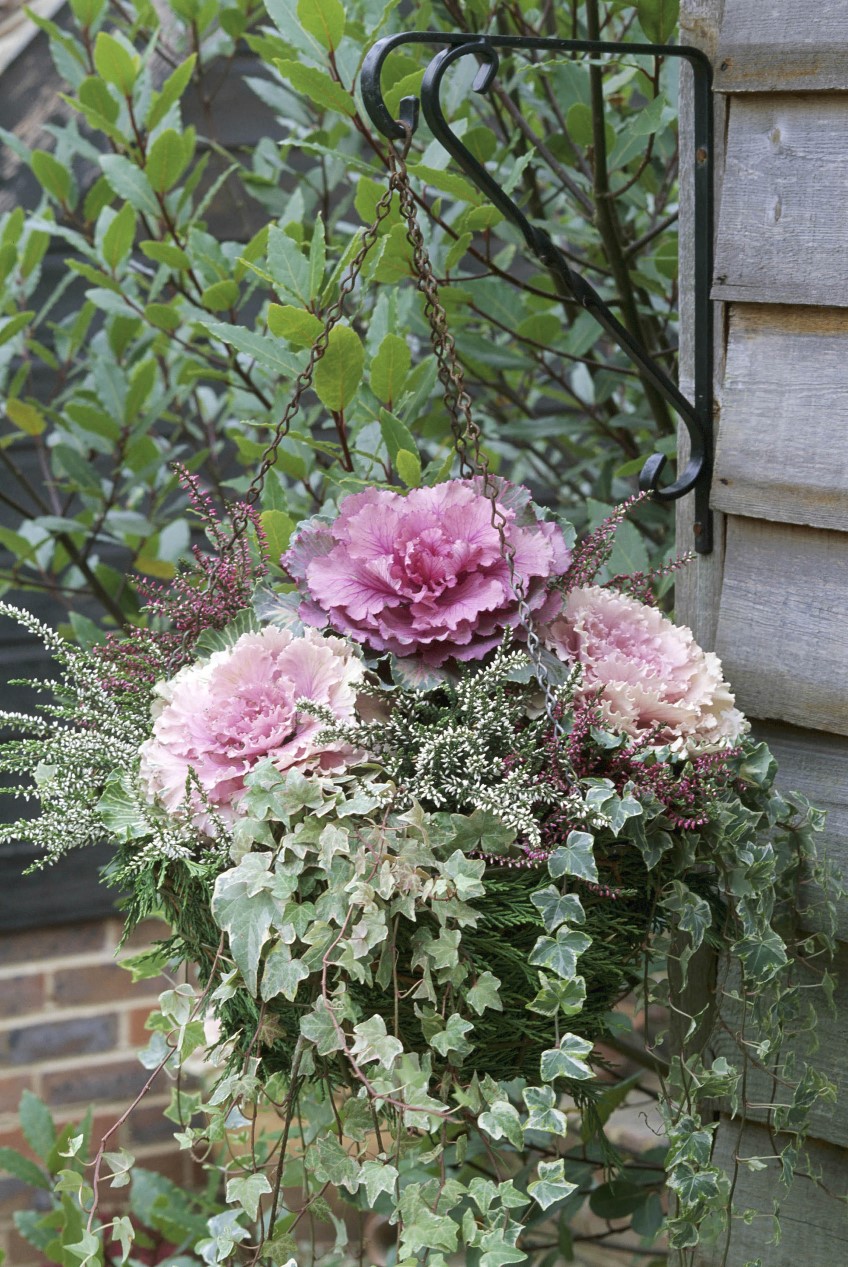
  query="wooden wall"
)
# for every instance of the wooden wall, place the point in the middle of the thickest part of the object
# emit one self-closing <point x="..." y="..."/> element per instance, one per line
<point x="774" y="598"/>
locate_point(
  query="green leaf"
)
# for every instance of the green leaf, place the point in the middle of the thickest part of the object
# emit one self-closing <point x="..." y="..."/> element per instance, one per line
<point x="163" y="316"/>
<point x="13" y="325"/>
<point x="560" y="953"/>
<point x="123" y="1231"/>
<point x="14" y="1163"/>
<point x="378" y="1176"/>
<point x="25" y="417"/>
<point x="389" y="369"/>
<point x="331" y="1164"/>
<point x="115" y="63"/>
<point x="37" y="1124"/>
<point x="558" y="908"/>
<point x="51" y="175"/>
<point x="317" y="258"/>
<point x="166" y="253"/>
<point x="295" y="325"/>
<point x="278" y="528"/>
<point x="317" y="85"/>
<point x="288" y="266"/>
<point x="220" y="296"/>
<point x="373" y="1042"/>
<point x="567" y="1060"/>
<point x="408" y="466"/>
<point x="247" y="1192"/>
<point x="453" y="1037"/>
<point x="339" y="371"/>
<point x="501" y="1121"/>
<point x="244" y="908"/>
<point x="551" y="1185"/>
<point x="262" y="348"/>
<point x="282" y="974"/>
<point x="576" y="857"/>
<point x="318" y="1027"/>
<point x="658" y="19"/>
<point x="87" y="11"/>
<point x="484" y="994"/>
<point x="87" y="1249"/>
<point x="118" y="238"/>
<point x="543" y="1112"/>
<point x="168" y="158"/>
<point x="325" y="19"/>
<point x="171" y="91"/>
<point x="130" y="183"/>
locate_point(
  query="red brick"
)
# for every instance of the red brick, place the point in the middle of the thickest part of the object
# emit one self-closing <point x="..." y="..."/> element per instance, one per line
<point x="19" y="1253"/>
<point x="119" y="1082"/>
<point x="15" y="1196"/>
<point x="148" y="1125"/>
<point x="101" y="983"/>
<point x="137" y="1035"/>
<point x="53" y="943"/>
<point x="21" y="994"/>
<point x="12" y="1087"/>
<point x="50" y="1040"/>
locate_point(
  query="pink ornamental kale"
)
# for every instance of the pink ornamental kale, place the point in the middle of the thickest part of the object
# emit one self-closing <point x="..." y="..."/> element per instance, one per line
<point x="219" y="718"/>
<point x="423" y="574"/>
<point x="648" y="675"/>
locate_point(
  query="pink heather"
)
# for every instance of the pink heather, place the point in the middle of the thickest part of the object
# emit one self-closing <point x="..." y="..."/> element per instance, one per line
<point x="648" y="674"/>
<point x="219" y="718"/>
<point x="423" y="574"/>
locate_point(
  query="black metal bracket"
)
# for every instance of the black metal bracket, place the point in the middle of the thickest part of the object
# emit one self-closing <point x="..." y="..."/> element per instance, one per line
<point x="697" y="415"/>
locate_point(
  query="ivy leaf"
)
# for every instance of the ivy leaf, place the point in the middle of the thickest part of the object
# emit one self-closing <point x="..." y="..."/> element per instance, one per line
<point x="558" y="908"/>
<point x="481" y="830"/>
<point x="484" y="994"/>
<point x="248" y="1191"/>
<point x="543" y="1113"/>
<point x="567" y="1060"/>
<point x="501" y="1121"/>
<point x="452" y="1037"/>
<point x="560" y="953"/>
<point x="331" y="1164"/>
<point x="123" y="1231"/>
<point x="555" y="996"/>
<point x="282" y="974"/>
<point x="378" y="1176"/>
<point x="551" y="1185"/>
<point x="339" y="371"/>
<point x="575" y="857"/>
<point x="319" y="1028"/>
<point x="693" y="913"/>
<point x="244" y="908"/>
<point x="466" y="874"/>
<point x="373" y="1042"/>
<point x="87" y="1249"/>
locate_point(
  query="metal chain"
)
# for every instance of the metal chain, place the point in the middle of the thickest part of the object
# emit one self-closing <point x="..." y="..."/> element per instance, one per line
<point x="465" y="430"/>
<point x="466" y="433"/>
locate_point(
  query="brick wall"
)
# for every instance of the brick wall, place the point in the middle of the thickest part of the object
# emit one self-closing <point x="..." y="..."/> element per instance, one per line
<point x="71" y="1022"/>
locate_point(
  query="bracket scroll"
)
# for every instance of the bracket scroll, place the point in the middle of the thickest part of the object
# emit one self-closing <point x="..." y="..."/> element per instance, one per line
<point x="696" y="415"/>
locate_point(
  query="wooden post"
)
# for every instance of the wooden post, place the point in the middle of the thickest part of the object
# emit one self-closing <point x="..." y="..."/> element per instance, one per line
<point x="773" y="600"/>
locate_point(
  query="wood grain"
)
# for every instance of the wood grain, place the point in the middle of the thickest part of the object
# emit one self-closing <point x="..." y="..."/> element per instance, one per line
<point x="781" y="452"/>
<point x="783" y="623"/>
<point x="812" y="1223"/>
<point x="697" y="587"/>
<point x="828" y="1121"/>
<point x="816" y="765"/>
<point x="782" y="45"/>
<point x="783" y="223"/>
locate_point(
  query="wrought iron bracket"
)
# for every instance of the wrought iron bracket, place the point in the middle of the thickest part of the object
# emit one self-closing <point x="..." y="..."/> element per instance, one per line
<point x="696" y="415"/>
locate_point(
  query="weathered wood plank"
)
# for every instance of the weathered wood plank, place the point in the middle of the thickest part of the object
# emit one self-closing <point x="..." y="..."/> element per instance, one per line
<point x="812" y="1222"/>
<point x="784" y="208"/>
<point x="781" y="452"/>
<point x="697" y="587"/>
<point x="783" y="622"/>
<point x="816" y="765"/>
<point x="828" y="1122"/>
<point x="782" y="46"/>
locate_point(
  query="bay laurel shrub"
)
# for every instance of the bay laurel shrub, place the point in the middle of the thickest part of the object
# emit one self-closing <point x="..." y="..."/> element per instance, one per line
<point x="411" y="891"/>
<point x="133" y="334"/>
